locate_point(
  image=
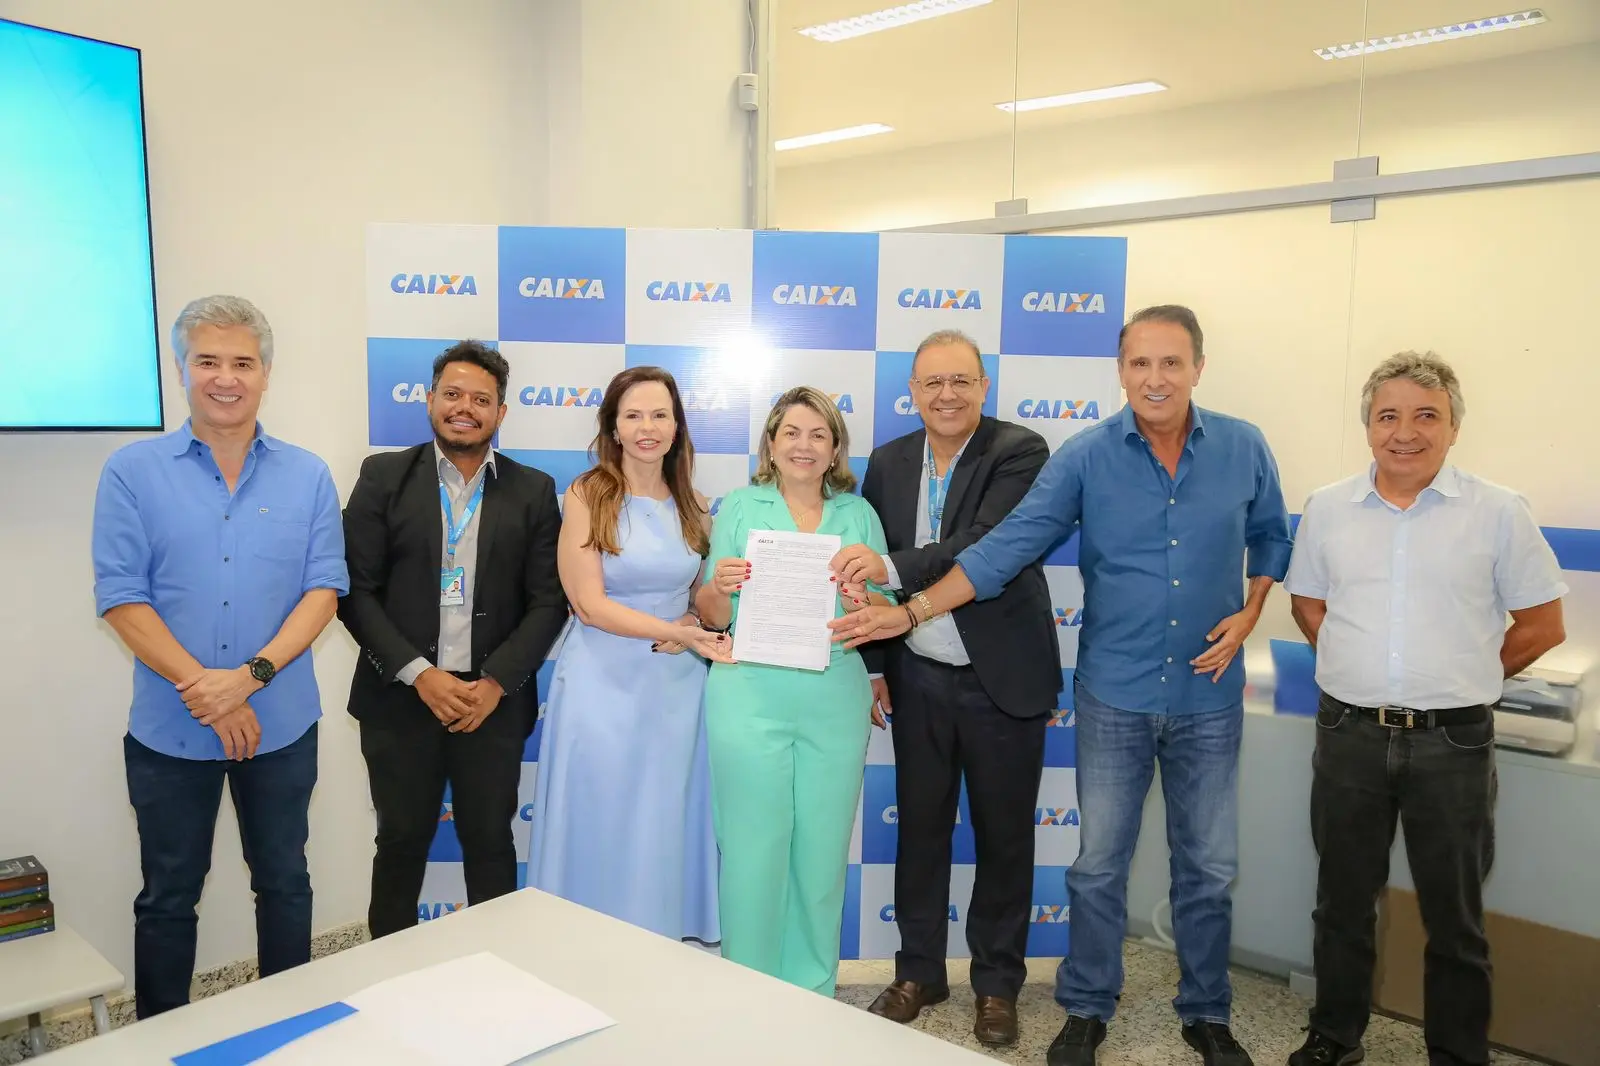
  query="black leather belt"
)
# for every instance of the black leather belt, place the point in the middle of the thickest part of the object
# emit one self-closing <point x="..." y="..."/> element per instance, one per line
<point x="1392" y="717"/>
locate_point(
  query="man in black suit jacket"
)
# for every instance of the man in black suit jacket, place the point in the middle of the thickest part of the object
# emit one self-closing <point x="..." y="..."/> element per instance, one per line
<point x="972" y="691"/>
<point x="455" y="600"/>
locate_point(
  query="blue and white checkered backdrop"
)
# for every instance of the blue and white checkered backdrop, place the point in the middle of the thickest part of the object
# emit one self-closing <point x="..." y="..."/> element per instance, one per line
<point x="738" y="316"/>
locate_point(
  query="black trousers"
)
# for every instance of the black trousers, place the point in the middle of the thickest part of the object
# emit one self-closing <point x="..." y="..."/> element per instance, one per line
<point x="1440" y="785"/>
<point x="945" y="726"/>
<point x="409" y="757"/>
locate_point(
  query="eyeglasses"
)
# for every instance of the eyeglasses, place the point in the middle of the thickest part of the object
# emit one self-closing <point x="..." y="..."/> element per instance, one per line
<point x="959" y="383"/>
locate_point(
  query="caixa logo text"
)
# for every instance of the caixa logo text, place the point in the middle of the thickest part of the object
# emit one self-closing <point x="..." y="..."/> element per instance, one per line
<point x="561" y="396"/>
<point x="1062" y="718"/>
<point x="1059" y="409"/>
<point x="526" y="813"/>
<point x="691" y="292"/>
<point x="434" y="284"/>
<point x="1050" y="914"/>
<point x="1071" y="303"/>
<point x="447" y="812"/>
<point x="943" y="299"/>
<point x="904" y="405"/>
<point x="887" y="913"/>
<point x="842" y="400"/>
<point x="429" y="911"/>
<point x="562" y="288"/>
<point x="815" y="295"/>
<point x="1055" y="816"/>
<point x="1069" y="616"/>
<point x="712" y="398"/>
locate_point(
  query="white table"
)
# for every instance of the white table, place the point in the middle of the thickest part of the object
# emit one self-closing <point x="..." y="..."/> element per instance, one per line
<point x="52" y="970"/>
<point x="672" y="1003"/>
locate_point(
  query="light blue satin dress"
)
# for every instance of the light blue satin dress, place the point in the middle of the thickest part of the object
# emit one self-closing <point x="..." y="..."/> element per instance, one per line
<point x="622" y="799"/>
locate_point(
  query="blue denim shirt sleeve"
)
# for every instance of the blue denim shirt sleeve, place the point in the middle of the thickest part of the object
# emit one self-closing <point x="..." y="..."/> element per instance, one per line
<point x="120" y="545"/>
<point x="1046" y="514"/>
<point x="1266" y="528"/>
<point x="325" y="562"/>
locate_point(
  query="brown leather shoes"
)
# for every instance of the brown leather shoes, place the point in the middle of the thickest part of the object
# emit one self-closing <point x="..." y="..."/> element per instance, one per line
<point x="904" y="1000"/>
<point x="996" y="1022"/>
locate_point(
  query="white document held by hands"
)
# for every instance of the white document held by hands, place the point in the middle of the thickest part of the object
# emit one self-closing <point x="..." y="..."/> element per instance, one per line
<point x="787" y="601"/>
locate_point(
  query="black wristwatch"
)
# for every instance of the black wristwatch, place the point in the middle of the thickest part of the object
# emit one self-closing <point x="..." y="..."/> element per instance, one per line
<point x="262" y="670"/>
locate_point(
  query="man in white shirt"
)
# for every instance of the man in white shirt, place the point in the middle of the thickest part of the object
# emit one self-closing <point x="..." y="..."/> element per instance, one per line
<point x="1401" y="578"/>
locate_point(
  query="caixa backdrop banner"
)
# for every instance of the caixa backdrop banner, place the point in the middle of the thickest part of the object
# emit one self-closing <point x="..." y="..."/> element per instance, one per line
<point x="737" y="317"/>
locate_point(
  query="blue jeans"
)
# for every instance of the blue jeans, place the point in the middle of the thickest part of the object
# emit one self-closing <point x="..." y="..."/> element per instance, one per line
<point x="1117" y="755"/>
<point x="175" y="802"/>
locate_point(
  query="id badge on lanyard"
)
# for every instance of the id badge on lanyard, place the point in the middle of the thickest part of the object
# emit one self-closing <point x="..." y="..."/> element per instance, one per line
<point x="453" y="578"/>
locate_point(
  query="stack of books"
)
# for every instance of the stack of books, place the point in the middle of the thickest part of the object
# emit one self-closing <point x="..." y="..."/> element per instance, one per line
<point x="25" y="907"/>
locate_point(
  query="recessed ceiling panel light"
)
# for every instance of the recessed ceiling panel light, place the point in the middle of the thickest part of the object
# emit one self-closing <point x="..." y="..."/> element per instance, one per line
<point x="849" y="133"/>
<point x="1434" y="35"/>
<point x="1085" y="96"/>
<point x="888" y="19"/>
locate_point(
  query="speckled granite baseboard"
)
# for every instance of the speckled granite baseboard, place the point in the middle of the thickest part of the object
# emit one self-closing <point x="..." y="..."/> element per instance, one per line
<point x="70" y="1026"/>
<point x="1268" y="1019"/>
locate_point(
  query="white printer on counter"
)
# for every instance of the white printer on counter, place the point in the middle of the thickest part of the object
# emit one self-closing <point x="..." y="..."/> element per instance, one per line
<point x="1538" y="712"/>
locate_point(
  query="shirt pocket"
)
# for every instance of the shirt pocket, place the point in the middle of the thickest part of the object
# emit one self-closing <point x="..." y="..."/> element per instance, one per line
<point x="278" y="535"/>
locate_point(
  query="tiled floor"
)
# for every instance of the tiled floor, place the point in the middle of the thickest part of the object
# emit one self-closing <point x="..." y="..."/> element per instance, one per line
<point x="1268" y="1019"/>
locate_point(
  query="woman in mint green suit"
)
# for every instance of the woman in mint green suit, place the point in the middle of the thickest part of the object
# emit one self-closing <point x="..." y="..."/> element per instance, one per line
<point x="787" y="746"/>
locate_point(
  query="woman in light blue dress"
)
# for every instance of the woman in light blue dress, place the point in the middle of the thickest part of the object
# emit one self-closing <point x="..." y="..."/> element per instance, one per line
<point x="622" y="804"/>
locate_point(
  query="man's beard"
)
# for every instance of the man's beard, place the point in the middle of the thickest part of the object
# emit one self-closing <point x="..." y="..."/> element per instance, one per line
<point x="460" y="447"/>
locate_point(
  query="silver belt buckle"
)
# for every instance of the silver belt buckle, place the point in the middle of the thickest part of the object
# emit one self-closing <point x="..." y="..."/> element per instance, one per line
<point x="1396" y="717"/>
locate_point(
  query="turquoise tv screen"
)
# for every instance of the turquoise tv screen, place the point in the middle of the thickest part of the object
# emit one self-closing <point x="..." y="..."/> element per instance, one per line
<point x="78" y="347"/>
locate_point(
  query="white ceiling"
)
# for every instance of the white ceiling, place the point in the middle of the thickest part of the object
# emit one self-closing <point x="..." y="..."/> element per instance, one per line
<point x="938" y="81"/>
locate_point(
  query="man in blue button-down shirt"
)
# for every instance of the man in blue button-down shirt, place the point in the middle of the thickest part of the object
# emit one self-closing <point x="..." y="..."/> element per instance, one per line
<point x="218" y="559"/>
<point x="1176" y="506"/>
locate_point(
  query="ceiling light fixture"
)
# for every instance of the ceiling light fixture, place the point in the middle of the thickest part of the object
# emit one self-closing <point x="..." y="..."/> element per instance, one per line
<point x="1455" y="31"/>
<point x="849" y="133"/>
<point x="888" y="19"/>
<point x="1085" y="96"/>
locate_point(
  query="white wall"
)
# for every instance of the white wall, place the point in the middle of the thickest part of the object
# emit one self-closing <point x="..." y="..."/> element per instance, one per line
<point x="1525" y="106"/>
<point x="276" y="132"/>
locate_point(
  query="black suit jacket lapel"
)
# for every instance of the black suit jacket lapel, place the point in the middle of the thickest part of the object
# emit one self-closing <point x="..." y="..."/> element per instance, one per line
<point x="489" y="523"/>
<point x="965" y="471"/>
<point x="902" y="485"/>
<point x="422" y="499"/>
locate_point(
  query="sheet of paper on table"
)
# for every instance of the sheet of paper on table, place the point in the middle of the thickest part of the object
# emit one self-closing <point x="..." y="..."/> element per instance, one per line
<point x="787" y="601"/>
<point x="478" y="1010"/>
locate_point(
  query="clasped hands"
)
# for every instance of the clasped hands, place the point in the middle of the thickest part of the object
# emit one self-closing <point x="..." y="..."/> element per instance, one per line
<point x="461" y="706"/>
<point x="219" y="699"/>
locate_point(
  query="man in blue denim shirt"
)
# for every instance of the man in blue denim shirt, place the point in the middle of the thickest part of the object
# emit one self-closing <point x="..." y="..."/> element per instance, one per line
<point x="218" y="559"/>
<point x="1176" y="507"/>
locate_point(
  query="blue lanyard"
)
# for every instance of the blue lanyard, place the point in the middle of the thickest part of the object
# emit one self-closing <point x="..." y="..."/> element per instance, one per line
<point x="938" y="487"/>
<point x="453" y="532"/>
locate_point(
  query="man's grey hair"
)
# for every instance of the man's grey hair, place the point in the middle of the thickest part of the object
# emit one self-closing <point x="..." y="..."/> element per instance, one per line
<point x="220" y="311"/>
<point x="942" y="337"/>
<point x="1425" y="369"/>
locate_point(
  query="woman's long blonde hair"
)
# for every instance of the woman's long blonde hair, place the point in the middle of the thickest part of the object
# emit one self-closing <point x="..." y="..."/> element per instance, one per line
<point x="839" y="476"/>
